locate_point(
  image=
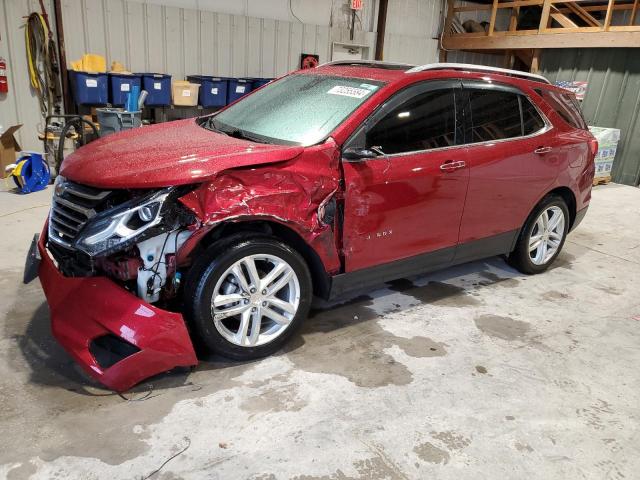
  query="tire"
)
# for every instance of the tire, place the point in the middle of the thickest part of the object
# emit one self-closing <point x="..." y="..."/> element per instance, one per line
<point x="221" y="270"/>
<point x="537" y="261"/>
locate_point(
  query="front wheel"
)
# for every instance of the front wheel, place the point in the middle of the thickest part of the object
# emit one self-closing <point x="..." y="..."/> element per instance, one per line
<point x="247" y="298"/>
<point x="542" y="236"/>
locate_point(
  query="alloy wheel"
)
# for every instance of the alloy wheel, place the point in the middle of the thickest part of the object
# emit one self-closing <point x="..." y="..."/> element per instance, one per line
<point x="546" y="235"/>
<point x="255" y="300"/>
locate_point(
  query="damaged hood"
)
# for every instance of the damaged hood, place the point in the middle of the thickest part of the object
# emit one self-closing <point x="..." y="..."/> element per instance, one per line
<point x="166" y="154"/>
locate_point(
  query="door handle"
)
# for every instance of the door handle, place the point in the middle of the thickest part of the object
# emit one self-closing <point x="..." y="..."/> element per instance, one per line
<point x="542" y="150"/>
<point x="451" y="165"/>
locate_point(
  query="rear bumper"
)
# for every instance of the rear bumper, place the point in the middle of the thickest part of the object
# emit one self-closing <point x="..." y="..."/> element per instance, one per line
<point x="89" y="308"/>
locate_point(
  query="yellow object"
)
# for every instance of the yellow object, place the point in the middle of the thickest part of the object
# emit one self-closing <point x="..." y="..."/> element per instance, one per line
<point x="117" y="67"/>
<point x="17" y="173"/>
<point x="35" y="82"/>
<point x="90" y="62"/>
<point x="184" y="93"/>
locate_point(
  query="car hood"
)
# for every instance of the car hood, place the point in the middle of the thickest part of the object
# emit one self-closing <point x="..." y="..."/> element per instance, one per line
<point x="166" y="154"/>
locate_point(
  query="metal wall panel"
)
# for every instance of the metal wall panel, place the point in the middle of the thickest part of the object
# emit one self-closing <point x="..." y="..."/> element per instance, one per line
<point x="612" y="99"/>
<point x="182" y="41"/>
<point x="20" y="105"/>
<point x="260" y="38"/>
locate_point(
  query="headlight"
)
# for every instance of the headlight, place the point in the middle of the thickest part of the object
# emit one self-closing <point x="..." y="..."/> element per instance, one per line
<point x="116" y="227"/>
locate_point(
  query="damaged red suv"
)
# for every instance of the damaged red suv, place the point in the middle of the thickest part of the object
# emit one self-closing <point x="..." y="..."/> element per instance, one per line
<point x="325" y="181"/>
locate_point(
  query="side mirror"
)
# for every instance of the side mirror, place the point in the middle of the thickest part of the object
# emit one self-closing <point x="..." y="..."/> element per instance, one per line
<point x="353" y="154"/>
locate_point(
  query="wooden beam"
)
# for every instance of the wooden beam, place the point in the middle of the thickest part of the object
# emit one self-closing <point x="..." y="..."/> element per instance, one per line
<point x="563" y="20"/>
<point x="492" y="19"/>
<point x="473" y="8"/>
<point x="607" y="18"/>
<point x="634" y="11"/>
<point x="535" y="61"/>
<point x="449" y="19"/>
<point x="582" y="13"/>
<point x="549" y="39"/>
<point x="544" y="18"/>
<point x="513" y="20"/>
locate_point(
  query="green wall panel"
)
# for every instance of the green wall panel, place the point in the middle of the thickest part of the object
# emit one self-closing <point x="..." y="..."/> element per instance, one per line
<point x="612" y="99"/>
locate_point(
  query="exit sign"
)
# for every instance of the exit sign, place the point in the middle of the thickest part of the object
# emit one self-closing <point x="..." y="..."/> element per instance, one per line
<point x="356" y="4"/>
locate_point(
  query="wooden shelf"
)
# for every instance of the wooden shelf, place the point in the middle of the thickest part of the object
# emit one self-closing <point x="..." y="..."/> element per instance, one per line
<point x="563" y="24"/>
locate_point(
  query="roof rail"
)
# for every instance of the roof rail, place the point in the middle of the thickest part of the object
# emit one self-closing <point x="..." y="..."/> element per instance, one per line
<point x="371" y="63"/>
<point x="478" y="68"/>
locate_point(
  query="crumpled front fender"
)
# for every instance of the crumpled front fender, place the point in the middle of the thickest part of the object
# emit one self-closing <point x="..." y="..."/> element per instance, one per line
<point x="289" y="193"/>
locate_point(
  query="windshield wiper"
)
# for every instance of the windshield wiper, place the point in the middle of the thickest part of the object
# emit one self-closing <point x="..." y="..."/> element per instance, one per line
<point x="233" y="132"/>
<point x="237" y="133"/>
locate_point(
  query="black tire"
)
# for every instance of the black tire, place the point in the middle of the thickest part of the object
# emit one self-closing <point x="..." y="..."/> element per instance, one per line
<point x="202" y="279"/>
<point x="520" y="258"/>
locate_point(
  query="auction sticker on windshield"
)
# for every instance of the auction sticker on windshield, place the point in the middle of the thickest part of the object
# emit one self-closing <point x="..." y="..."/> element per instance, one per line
<point x="349" y="91"/>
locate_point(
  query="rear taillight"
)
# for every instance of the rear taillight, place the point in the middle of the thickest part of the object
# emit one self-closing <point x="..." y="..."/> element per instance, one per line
<point x="593" y="147"/>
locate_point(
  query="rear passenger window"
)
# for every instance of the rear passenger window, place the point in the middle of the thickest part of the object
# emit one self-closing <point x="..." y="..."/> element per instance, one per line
<point x="566" y="105"/>
<point x="531" y="119"/>
<point x="495" y="115"/>
<point x="424" y="122"/>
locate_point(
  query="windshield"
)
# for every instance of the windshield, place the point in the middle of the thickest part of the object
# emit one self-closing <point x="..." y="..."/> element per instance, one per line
<point x="298" y="109"/>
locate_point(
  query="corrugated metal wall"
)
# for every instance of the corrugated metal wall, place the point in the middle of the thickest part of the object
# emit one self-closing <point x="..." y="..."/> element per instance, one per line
<point x="613" y="96"/>
<point x="261" y="38"/>
<point x="20" y="105"/>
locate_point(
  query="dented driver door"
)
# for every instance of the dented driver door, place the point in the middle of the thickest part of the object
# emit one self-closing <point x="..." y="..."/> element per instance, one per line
<point x="405" y="196"/>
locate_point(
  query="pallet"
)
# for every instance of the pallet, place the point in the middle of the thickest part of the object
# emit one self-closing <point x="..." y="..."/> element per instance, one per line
<point x="601" y="180"/>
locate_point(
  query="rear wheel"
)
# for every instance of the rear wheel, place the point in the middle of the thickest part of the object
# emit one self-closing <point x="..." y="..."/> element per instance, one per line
<point x="542" y="236"/>
<point x="247" y="298"/>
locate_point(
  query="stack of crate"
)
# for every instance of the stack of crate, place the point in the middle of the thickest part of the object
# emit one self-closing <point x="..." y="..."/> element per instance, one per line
<point x="608" y="139"/>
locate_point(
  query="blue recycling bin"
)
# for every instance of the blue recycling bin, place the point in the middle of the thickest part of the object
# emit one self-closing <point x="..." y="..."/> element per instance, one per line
<point x="89" y="88"/>
<point x="259" y="82"/>
<point x="238" y="87"/>
<point x="212" y="92"/>
<point x="158" y="87"/>
<point x="120" y="86"/>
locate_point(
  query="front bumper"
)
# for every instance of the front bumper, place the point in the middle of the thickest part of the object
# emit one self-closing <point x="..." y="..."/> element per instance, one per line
<point x="86" y="310"/>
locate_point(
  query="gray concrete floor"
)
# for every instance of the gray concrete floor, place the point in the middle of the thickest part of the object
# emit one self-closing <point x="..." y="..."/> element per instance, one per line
<point x="470" y="373"/>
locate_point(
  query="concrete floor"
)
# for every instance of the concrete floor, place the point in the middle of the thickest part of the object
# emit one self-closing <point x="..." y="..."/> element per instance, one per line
<point x="474" y="372"/>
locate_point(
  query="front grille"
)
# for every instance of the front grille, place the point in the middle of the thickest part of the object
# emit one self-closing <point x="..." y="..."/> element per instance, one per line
<point x="73" y="206"/>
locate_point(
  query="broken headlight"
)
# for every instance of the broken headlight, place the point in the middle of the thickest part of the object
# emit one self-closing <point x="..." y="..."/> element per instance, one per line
<point x="115" y="229"/>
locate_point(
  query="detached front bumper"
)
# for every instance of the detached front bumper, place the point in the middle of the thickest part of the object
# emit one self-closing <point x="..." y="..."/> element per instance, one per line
<point x="116" y="337"/>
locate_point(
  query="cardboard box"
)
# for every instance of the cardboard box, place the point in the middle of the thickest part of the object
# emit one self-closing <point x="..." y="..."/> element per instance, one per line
<point x="184" y="93"/>
<point x="608" y="139"/>
<point x="8" y="149"/>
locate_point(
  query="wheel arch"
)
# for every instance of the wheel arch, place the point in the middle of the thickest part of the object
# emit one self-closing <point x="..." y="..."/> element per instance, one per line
<point x="319" y="276"/>
<point x="570" y="199"/>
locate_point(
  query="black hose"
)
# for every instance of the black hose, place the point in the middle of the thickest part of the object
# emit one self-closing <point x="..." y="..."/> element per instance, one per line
<point x="78" y="125"/>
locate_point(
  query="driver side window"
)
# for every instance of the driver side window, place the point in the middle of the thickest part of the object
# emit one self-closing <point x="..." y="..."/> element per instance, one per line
<point x="424" y="122"/>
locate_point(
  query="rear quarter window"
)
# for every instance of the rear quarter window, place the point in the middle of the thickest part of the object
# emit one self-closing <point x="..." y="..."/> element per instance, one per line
<point x="566" y="105"/>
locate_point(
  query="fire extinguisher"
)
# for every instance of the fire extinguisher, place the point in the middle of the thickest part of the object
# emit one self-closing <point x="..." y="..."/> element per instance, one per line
<point x="4" y="84"/>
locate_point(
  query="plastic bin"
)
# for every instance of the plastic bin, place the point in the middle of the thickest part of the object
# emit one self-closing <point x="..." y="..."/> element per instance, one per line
<point x="184" y="93"/>
<point x="89" y="88"/>
<point x="120" y="85"/>
<point x="158" y="86"/>
<point x="259" y="82"/>
<point x="213" y="90"/>
<point x="238" y="87"/>
<point x="114" y="120"/>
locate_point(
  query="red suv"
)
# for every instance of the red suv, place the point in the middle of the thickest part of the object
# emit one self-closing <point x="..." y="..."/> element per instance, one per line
<point x="324" y="181"/>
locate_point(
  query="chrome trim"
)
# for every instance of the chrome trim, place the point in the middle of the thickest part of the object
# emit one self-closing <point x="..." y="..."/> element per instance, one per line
<point x="87" y="212"/>
<point x="547" y="128"/>
<point x="78" y="191"/>
<point x="477" y="68"/>
<point x="75" y="228"/>
<point x="59" y="211"/>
